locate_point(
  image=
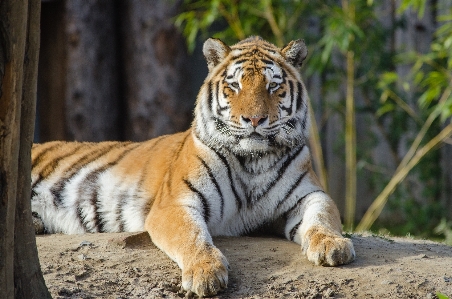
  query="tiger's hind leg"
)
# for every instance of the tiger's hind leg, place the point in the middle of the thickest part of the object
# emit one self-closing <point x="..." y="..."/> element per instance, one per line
<point x="38" y="224"/>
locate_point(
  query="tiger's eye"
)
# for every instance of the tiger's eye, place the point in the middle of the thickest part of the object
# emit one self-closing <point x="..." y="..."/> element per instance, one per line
<point x="273" y="84"/>
<point x="235" y="85"/>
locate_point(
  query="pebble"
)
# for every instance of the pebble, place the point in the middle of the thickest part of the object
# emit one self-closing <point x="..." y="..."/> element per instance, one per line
<point x="85" y="243"/>
<point x="82" y="257"/>
<point x="328" y="293"/>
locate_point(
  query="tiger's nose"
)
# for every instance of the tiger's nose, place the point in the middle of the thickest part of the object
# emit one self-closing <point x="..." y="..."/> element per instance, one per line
<point x="255" y="120"/>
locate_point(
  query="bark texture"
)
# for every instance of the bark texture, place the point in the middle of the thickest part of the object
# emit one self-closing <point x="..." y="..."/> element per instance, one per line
<point x="154" y="57"/>
<point x="92" y="92"/>
<point x="13" y="27"/>
<point x="51" y="112"/>
<point x="20" y="274"/>
<point x="112" y="70"/>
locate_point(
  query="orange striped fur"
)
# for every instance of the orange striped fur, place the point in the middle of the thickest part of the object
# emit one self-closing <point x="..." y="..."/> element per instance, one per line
<point x="242" y="165"/>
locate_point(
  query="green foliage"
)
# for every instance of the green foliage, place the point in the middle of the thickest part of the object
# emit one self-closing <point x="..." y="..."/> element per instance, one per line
<point x="277" y="21"/>
<point x="428" y="82"/>
<point x="444" y="228"/>
<point x="430" y="74"/>
<point x="418" y="5"/>
<point x="419" y="102"/>
<point x="441" y="296"/>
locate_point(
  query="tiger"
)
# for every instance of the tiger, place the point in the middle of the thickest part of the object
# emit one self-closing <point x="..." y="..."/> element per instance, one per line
<point x="244" y="164"/>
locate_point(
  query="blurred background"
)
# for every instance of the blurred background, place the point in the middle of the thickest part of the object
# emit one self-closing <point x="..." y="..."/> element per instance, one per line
<point x="379" y="75"/>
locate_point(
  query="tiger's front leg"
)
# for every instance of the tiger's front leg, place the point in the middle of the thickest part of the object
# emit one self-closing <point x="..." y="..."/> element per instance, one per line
<point x="181" y="232"/>
<point x="316" y="225"/>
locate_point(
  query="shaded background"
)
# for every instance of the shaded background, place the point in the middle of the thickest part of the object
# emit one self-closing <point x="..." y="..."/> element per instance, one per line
<point x="120" y="70"/>
<point x="113" y="70"/>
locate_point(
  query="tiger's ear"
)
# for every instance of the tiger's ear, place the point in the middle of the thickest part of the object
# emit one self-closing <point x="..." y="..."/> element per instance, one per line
<point x="214" y="51"/>
<point x="295" y="52"/>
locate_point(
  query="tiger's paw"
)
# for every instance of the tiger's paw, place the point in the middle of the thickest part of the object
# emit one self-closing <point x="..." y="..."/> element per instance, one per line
<point x="207" y="273"/>
<point x="325" y="248"/>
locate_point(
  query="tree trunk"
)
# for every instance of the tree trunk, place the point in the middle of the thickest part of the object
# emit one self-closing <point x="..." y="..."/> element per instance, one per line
<point x="158" y="98"/>
<point x="13" y="37"/>
<point x="92" y="93"/>
<point x="20" y="274"/>
<point x="51" y="114"/>
<point x="78" y="78"/>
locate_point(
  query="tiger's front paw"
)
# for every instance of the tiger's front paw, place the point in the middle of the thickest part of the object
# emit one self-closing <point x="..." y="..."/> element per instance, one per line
<point x="207" y="273"/>
<point x="323" y="247"/>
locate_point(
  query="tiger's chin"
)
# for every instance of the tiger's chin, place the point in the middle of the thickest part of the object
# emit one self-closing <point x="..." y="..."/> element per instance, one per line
<point x="252" y="147"/>
<point x="256" y="146"/>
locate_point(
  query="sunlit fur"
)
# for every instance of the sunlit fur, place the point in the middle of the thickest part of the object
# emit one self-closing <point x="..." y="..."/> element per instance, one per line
<point x="244" y="164"/>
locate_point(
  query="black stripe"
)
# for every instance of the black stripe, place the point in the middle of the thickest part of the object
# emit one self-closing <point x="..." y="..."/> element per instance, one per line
<point x="220" y="109"/>
<point x="238" y="200"/>
<point x="299" y="99"/>
<point x="283" y="95"/>
<point x="205" y="114"/>
<point x="291" y="123"/>
<point x="267" y="61"/>
<point x="90" y="157"/>
<point x="142" y="179"/>
<point x="205" y="205"/>
<point x="121" y="203"/>
<point x="122" y="198"/>
<point x="286" y="214"/>
<point x="181" y="146"/>
<point x="225" y="162"/>
<point x="52" y="165"/>
<point x="215" y="183"/>
<point x="35" y="162"/>
<point x="98" y="223"/>
<point x="289" y="109"/>
<point x="271" y="50"/>
<point x="247" y="48"/>
<point x="272" y="127"/>
<point x="242" y="161"/>
<point x="91" y="180"/>
<point x="280" y="174"/>
<point x="292" y="189"/>
<point x="93" y="156"/>
<point x="284" y="74"/>
<point x="291" y="96"/>
<point x="267" y="57"/>
<point x="80" y="216"/>
<point x="289" y="70"/>
<point x="210" y="98"/>
<point x="240" y="61"/>
<point x="293" y="231"/>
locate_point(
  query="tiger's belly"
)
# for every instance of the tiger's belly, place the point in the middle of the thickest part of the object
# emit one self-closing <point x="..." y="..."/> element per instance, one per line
<point x="79" y="206"/>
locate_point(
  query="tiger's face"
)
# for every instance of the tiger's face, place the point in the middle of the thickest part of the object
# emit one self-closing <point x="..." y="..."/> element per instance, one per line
<point x="253" y="101"/>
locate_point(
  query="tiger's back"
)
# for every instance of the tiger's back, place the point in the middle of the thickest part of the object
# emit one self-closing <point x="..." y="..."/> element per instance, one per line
<point x="80" y="187"/>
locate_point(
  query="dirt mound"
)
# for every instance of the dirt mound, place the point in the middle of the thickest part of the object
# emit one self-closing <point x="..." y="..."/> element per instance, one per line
<point x="129" y="266"/>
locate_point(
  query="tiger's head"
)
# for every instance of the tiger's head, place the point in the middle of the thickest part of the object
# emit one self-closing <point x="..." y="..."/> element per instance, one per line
<point x="253" y="101"/>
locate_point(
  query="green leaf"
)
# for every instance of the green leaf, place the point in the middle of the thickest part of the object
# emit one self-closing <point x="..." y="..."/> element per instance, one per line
<point x="389" y="77"/>
<point x="441" y="296"/>
<point x="386" y="108"/>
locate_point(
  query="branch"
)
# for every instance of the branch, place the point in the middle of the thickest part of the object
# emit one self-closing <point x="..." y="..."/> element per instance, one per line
<point x="435" y="113"/>
<point x="377" y="206"/>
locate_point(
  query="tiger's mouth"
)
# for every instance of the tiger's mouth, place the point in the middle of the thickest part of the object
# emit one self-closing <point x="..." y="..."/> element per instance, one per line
<point x="256" y="136"/>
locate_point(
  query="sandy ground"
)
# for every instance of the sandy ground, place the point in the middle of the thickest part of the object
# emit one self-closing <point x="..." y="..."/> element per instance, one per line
<point x="129" y="266"/>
